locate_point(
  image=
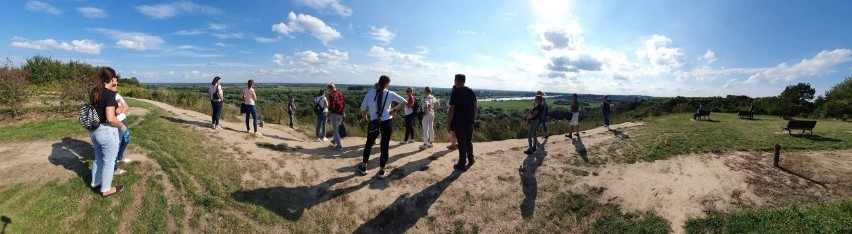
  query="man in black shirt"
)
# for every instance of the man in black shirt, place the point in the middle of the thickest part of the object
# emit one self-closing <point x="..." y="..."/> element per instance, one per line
<point x="460" y="119"/>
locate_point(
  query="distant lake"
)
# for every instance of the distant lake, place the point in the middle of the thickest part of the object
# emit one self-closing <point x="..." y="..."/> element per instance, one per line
<point x="512" y="98"/>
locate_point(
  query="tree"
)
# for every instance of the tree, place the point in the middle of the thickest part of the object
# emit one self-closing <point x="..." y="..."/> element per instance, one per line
<point x="13" y="87"/>
<point x="794" y="100"/>
<point x="838" y="99"/>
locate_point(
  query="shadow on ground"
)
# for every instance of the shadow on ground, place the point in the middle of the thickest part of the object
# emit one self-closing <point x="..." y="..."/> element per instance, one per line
<point x="291" y="203"/>
<point x="72" y="154"/>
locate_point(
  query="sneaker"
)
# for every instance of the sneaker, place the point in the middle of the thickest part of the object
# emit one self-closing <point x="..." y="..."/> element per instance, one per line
<point x="424" y="146"/>
<point x="470" y="163"/>
<point x="126" y="160"/>
<point x="452" y="147"/>
<point x="119" y="171"/>
<point x="362" y="169"/>
<point x="219" y="127"/>
<point x="577" y="134"/>
<point x="319" y="140"/>
<point x="248" y="130"/>
<point x="529" y="151"/>
<point x="459" y="167"/>
<point x="213" y="126"/>
<point x="569" y="136"/>
<point x="324" y="139"/>
<point x="403" y="142"/>
<point x="380" y="175"/>
<point x="430" y="145"/>
<point x="338" y="148"/>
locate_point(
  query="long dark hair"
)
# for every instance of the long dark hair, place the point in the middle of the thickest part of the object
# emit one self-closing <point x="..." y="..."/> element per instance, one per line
<point x="250" y="84"/>
<point x="384" y="80"/>
<point x="106" y="75"/>
<point x="215" y="79"/>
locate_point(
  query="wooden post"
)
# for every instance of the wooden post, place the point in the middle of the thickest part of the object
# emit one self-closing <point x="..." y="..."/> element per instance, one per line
<point x="777" y="155"/>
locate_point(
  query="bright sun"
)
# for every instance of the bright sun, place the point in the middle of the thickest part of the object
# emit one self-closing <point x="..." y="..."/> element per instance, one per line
<point x="551" y="10"/>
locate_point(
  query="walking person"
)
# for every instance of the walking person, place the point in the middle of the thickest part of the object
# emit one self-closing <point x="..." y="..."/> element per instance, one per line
<point x="453" y="141"/>
<point x="460" y="119"/>
<point x="605" y="107"/>
<point x="216" y="97"/>
<point x="249" y="98"/>
<point x="430" y="103"/>
<point x="124" y="138"/>
<point x="542" y="121"/>
<point x="533" y="122"/>
<point x="336" y="109"/>
<point x="291" y="110"/>
<point x="321" y="110"/>
<point x="575" y="118"/>
<point x="375" y="109"/>
<point x="409" y="116"/>
<point x="105" y="139"/>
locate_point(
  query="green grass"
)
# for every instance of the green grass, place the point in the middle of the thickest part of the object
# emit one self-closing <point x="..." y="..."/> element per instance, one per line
<point x="835" y="217"/>
<point x="568" y="212"/>
<point x="48" y="129"/>
<point x="676" y="134"/>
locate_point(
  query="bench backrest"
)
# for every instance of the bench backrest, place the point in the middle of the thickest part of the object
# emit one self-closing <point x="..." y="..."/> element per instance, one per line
<point x="799" y="124"/>
<point x="744" y="113"/>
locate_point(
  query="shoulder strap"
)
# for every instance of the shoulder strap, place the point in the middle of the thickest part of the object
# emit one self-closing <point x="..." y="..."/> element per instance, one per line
<point x="384" y="101"/>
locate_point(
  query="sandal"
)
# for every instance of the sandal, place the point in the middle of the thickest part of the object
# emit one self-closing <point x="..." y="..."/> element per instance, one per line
<point x="117" y="189"/>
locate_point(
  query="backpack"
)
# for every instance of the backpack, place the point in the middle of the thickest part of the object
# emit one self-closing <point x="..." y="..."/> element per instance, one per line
<point x="416" y="110"/>
<point x="318" y="108"/>
<point x="89" y="117"/>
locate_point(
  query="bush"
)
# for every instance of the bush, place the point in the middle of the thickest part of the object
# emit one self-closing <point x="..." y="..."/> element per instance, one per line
<point x="14" y="91"/>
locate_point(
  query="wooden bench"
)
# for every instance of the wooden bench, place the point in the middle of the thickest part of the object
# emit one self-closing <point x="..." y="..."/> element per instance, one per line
<point x="804" y="125"/>
<point x="745" y="114"/>
<point x="705" y="114"/>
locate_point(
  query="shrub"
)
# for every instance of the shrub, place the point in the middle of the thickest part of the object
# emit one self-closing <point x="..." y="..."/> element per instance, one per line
<point x="13" y="88"/>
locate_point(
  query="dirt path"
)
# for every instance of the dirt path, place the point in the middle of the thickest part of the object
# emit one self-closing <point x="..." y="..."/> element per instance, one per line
<point x="314" y="182"/>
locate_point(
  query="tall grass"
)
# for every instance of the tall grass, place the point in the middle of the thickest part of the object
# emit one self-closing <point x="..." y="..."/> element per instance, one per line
<point x="834" y="217"/>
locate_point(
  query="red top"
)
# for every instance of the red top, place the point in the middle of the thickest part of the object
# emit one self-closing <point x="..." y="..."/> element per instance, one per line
<point x="336" y="104"/>
<point x="410" y="101"/>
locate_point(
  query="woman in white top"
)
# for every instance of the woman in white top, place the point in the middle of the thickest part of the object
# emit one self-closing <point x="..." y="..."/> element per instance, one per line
<point x="216" y="96"/>
<point x="430" y="103"/>
<point x="249" y="97"/>
<point x="322" y="116"/>
<point x="376" y="106"/>
<point x="121" y="116"/>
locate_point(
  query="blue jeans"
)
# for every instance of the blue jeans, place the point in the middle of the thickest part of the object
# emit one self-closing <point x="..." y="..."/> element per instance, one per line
<point x="335" y="127"/>
<point x="121" y="146"/>
<point x="543" y="123"/>
<point x="321" y="120"/>
<point x="291" y="120"/>
<point x="606" y="118"/>
<point x="532" y="134"/>
<point x="251" y="110"/>
<point x="217" y="111"/>
<point x="105" y="141"/>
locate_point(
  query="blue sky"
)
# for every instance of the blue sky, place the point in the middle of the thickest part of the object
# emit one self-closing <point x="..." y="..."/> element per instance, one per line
<point x="658" y="48"/>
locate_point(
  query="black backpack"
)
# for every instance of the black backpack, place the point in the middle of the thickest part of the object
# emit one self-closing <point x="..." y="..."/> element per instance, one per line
<point x="318" y="108"/>
<point x="416" y="110"/>
<point x="89" y="118"/>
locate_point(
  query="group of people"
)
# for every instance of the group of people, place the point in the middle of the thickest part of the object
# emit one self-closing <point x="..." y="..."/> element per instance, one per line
<point x="111" y="138"/>
<point x="538" y="118"/>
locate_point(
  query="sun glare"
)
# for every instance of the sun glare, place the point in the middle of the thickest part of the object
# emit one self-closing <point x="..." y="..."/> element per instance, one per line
<point x="551" y="10"/>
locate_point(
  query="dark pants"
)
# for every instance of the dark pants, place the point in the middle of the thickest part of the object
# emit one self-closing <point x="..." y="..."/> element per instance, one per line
<point x="291" y="119"/>
<point x="122" y="145"/>
<point x="409" y="126"/>
<point x="464" y="135"/>
<point x="606" y="118"/>
<point x="217" y="111"/>
<point x="386" y="129"/>
<point x="251" y="110"/>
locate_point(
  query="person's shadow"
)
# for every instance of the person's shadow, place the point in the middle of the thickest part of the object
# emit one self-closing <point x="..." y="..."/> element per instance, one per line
<point x="580" y="148"/>
<point x="6" y="221"/>
<point x="72" y="154"/>
<point x="405" y="170"/>
<point x="619" y="134"/>
<point x="291" y="203"/>
<point x="406" y="210"/>
<point x="529" y="183"/>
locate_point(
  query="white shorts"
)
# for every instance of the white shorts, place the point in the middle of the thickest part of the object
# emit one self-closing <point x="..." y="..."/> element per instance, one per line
<point x="575" y="118"/>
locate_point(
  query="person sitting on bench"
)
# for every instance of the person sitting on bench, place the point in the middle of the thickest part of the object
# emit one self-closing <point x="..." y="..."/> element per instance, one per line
<point x="698" y="112"/>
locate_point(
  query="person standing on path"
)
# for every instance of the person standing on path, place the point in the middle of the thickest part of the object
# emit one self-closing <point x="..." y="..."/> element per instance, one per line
<point x="291" y="110"/>
<point x="249" y="98"/>
<point x="124" y="138"/>
<point x="321" y="110"/>
<point x="409" y="116"/>
<point x="453" y="141"/>
<point x="216" y="97"/>
<point x="336" y="110"/>
<point x="575" y="118"/>
<point x="543" y="116"/>
<point x="460" y="119"/>
<point x="430" y="103"/>
<point x="605" y="107"/>
<point x="532" y="122"/>
<point x="105" y="139"/>
<point x="375" y="111"/>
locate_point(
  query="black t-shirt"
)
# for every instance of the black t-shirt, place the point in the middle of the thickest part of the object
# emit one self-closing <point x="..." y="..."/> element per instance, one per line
<point x="540" y="109"/>
<point x="107" y="99"/>
<point x="463" y="99"/>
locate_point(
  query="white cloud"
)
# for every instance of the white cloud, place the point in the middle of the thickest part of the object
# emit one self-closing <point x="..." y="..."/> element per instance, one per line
<point x="710" y="56"/>
<point x="91" y="12"/>
<point x="190" y="47"/>
<point x="266" y="39"/>
<point x="132" y="40"/>
<point x="467" y="32"/>
<point x="302" y="23"/>
<point x="731" y="83"/>
<point x="217" y="26"/>
<point x="82" y="46"/>
<point x="220" y="44"/>
<point x="561" y="38"/>
<point x="389" y="56"/>
<point x="214" y="64"/>
<point x="333" y="5"/>
<point x="382" y="34"/>
<point x="36" y="6"/>
<point x="190" y="32"/>
<point x="819" y="64"/>
<point x="223" y="36"/>
<point x="583" y="62"/>
<point x="279" y="59"/>
<point x="169" y="10"/>
<point x="661" y="57"/>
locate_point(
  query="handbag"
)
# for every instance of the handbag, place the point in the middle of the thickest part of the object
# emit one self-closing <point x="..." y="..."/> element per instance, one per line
<point x="242" y="108"/>
<point x="374" y="126"/>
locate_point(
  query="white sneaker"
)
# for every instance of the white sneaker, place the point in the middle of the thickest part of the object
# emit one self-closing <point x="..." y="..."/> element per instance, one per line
<point x="119" y="171"/>
<point x="324" y="139"/>
<point x="403" y="142"/>
<point x="248" y="131"/>
<point x="126" y="160"/>
<point x="319" y="140"/>
<point x="258" y="134"/>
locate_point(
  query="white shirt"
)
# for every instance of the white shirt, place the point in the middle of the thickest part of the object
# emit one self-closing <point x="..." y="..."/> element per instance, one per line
<point x="429" y="103"/>
<point x="212" y="90"/>
<point x="321" y="100"/>
<point x="120" y="101"/>
<point x="369" y="103"/>
<point x="409" y="109"/>
<point x="247" y="98"/>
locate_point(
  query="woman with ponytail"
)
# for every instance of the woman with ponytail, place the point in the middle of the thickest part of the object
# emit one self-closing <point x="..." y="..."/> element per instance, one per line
<point x="105" y="138"/>
<point x="377" y="106"/>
